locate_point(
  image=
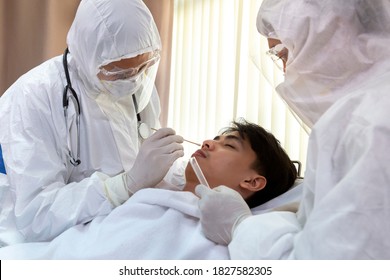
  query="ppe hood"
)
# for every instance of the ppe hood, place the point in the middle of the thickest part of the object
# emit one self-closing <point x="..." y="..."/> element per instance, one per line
<point x="104" y="31"/>
<point x="332" y="46"/>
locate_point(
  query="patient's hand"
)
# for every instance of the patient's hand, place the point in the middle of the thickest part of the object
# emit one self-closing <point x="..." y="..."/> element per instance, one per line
<point x="291" y="207"/>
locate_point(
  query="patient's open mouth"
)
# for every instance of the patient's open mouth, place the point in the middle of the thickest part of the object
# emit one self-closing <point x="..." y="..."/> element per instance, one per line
<point x="199" y="153"/>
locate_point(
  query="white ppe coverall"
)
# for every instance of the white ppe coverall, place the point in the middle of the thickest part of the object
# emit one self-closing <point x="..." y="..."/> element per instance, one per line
<point x="338" y="81"/>
<point x="47" y="193"/>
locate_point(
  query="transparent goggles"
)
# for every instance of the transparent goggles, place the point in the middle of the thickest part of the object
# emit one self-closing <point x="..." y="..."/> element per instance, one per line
<point x="279" y="55"/>
<point x="123" y="74"/>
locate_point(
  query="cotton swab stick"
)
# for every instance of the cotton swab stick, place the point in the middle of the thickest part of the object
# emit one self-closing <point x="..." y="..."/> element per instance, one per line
<point x="197" y="144"/>
<point x="198" y="172"/>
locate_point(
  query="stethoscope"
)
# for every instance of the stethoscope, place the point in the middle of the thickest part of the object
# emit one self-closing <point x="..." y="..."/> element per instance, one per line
<point x="144" y="130"/>
<point x="74" y="160"/>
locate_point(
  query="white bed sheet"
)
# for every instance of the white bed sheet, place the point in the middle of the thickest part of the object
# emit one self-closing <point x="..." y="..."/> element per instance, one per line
<point x="152" y="224"/>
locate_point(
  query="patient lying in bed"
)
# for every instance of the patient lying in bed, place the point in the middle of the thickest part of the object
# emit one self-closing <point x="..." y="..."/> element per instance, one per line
<point x="164" y="223"/>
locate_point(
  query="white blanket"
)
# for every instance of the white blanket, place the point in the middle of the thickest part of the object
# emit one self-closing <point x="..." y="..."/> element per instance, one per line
<point x="153" y="224"/>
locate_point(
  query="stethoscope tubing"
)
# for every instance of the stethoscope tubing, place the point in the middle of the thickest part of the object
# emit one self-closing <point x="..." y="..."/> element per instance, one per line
<point x="65" y="104"/>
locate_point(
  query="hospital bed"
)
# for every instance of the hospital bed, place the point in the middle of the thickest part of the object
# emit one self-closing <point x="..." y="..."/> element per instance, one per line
<point x="152" y="224"/>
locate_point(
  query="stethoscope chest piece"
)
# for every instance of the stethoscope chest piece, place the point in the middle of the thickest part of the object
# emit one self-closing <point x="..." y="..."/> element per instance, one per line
<point x="143" y="130"/>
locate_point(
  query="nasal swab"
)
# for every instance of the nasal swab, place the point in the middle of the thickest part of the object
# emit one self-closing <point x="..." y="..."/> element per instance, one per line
<point x="197" y="144"/>
<point x="198" y="172"/>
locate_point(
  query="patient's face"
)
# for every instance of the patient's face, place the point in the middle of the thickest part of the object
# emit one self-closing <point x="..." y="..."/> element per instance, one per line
<point x="226" y="160"/>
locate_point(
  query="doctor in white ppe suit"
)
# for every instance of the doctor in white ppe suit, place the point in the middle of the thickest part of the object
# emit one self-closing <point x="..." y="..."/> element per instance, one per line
<point x="66" y="167"/>
<point x="337" y="80"/>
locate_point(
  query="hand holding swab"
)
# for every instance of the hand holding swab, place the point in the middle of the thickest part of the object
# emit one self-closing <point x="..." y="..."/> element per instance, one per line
<point x="183" y="139"/>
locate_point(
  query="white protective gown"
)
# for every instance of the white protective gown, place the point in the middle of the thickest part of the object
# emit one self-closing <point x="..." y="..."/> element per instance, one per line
<point x="48" y="194"/>
<point x="337" y="78"/>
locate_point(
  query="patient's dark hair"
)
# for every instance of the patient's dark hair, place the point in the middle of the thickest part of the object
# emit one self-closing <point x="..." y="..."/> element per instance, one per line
<point x="272" y="161"/>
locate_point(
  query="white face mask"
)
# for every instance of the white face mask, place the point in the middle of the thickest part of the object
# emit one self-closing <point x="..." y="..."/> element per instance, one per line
<point x="141" y="85"/>
<point x="144" y="93"/>
<point x="122" y="88"/>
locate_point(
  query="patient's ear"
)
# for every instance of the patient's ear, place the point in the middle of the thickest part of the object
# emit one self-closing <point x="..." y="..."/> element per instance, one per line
<point x="254" y="183"/>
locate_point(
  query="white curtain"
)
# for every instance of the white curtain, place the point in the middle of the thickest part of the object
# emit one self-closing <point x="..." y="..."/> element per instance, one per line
<point x="219" y="73"/>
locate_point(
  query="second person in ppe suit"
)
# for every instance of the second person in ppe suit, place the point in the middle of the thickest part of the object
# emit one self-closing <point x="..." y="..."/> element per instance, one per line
<point x="62" y="172"/>
<point x="337" y="76"/>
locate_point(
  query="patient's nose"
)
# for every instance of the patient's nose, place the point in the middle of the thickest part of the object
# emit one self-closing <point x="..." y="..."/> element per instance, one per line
<point x="208" y="145"/>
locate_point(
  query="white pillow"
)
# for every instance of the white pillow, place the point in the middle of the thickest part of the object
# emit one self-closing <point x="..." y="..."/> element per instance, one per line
<point x="292" y="195"/>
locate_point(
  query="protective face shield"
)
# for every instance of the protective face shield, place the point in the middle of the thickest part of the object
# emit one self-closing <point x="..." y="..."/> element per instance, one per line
<point x="144" y="93"/>
<point x="141" y="85"/>
<point x="279" y="55"/>
<point x="118" y="73"/>
<point x="330" y="45"/>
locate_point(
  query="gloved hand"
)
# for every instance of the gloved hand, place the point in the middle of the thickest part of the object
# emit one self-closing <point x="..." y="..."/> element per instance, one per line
<point x="155" y="157"/>
<point x="221" y="210"/>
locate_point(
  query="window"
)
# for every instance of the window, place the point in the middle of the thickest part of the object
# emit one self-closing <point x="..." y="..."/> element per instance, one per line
<point x="219" y="73"/>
